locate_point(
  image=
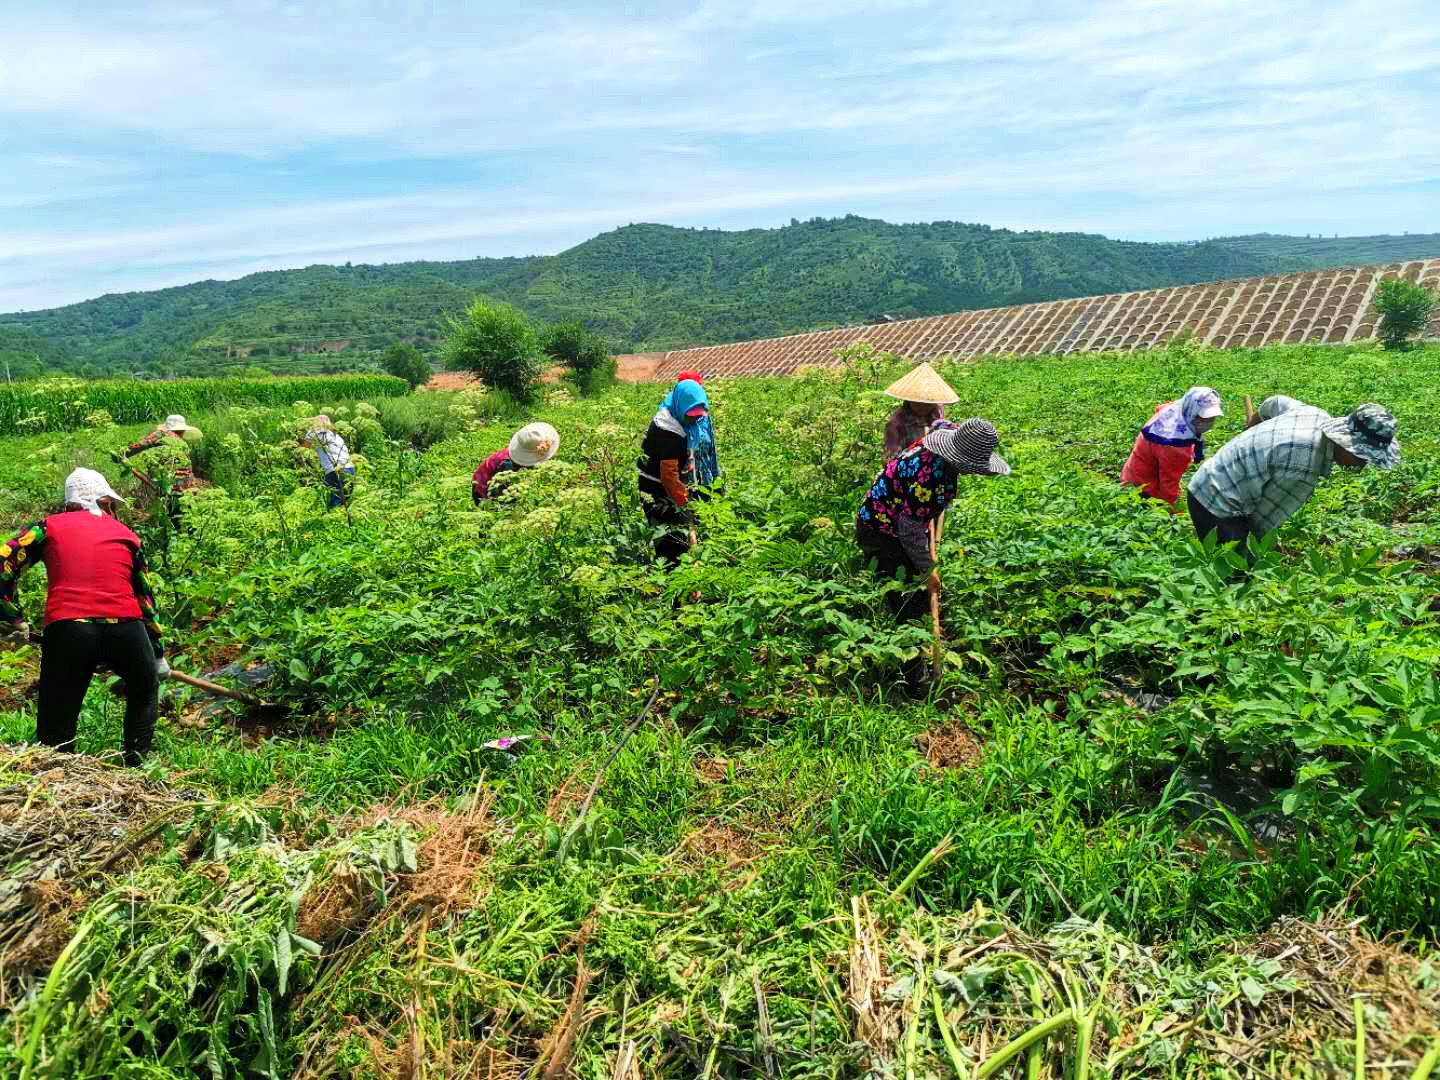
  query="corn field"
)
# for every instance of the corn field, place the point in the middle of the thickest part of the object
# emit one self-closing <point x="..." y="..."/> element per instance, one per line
<point x="65" y="404"/>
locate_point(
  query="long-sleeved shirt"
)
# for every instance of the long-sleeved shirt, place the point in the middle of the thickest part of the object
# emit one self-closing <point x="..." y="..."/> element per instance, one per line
<point x="905" y="427"/>
<point x="330" y="448"/>
<point x="35" y="543"/>
<point x="666" y="465"/>
<point x="497" y="462"/>
<point x="1276" y="404"/>
<point x="184" y="475"/>
<point x="1156" y="467"/>
<point x="913" y="490"/>
<point x="1267" y="473"/>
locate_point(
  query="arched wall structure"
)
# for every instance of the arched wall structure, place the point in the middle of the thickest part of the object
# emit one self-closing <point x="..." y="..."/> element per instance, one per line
<point x="1316" y="306"/>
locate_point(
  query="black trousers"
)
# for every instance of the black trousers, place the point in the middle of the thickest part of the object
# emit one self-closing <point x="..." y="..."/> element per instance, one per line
<point x="890" y="558"/>
<point x="1228" y="530"/>
<point x="69" y="657"/>
<point x="675" y="540"/>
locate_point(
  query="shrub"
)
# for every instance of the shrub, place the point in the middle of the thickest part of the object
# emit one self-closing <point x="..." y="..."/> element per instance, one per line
<point x="584" y="352"/>
<point x="1404" y="308"/>
<point x="497" y="343"/>
<point x="404" y="361"/>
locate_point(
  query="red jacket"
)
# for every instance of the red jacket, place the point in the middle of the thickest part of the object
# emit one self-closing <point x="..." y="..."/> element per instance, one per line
<point x="1157" y="468"/>
<point x="496" y="463"/>
<point x="90" y="563"/>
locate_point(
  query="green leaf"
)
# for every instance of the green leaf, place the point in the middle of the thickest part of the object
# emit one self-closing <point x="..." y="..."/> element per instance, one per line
<point x="1253" y="991"/>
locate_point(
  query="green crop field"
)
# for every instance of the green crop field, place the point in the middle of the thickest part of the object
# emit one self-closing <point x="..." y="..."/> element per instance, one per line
<point x="1160" y="817"/>
<point x="64" y="404"/>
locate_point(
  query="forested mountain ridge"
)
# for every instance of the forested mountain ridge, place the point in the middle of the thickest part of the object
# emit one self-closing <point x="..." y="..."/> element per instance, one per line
<point x="642" y="286"/>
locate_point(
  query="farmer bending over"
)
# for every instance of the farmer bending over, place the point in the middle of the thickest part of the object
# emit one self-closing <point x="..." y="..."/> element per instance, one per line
<point x="99" y="612"/>
<point x="532" y="445"/>
<point x="334" y="458"/>
<point x="1166" y="446"/>
<point x="176" y="435"/>
<point x="912" y="491"/>
<point x="1262" y="476"/>
<point x="923" y="395"/>
<point x="667" y="467"/>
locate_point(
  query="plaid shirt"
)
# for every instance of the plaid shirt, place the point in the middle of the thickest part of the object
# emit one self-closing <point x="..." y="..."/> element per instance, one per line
<point x="1266" y="474"/>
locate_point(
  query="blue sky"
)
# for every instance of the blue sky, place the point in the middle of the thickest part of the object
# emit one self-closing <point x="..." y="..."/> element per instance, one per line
<point x="158" y="142"/>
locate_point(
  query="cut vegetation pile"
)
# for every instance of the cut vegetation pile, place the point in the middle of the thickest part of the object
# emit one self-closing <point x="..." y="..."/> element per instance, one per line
<point x="1162" y="817"/>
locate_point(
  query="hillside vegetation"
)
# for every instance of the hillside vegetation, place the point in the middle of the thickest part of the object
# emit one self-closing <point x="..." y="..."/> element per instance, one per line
<point x="1155" y="819"/>
<point x="644" y="287"/>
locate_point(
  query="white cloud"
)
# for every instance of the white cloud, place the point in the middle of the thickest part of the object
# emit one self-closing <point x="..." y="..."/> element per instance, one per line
<point x="227" y="133"/>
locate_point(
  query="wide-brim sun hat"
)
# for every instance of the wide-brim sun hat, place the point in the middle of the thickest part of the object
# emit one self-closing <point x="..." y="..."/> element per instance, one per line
<point x="1368" y="433"/>
<point x="176" y="422"/>
<point x="86" y="487"/>
<point x="922" y="383"/>
<point x="534" y="444"/>
<point x="969" y="446"/>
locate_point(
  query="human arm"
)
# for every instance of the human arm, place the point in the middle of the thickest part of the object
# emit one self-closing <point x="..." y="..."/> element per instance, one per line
<point x="480" y="483"/>
<point x="145" y="596"/>
<point x="149" y="442"/>
<point x="894" y="434"/>
<point x="914" y="537"/>
<point x="16" y="555"/>
<point x="671" y="482"/>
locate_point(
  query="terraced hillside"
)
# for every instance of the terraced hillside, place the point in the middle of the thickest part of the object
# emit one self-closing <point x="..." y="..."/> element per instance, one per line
<point x="1326" y="306"/>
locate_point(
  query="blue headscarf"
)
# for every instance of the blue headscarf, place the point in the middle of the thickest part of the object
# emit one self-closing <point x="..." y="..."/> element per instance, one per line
<point x="699" y="433"/>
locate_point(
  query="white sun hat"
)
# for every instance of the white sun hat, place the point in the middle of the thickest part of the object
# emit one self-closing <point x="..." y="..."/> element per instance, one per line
<point x="533" y="444"/>
<point x="176" y="422"/>
<point x="85" y="488"/>
<point x="922" y="383"/>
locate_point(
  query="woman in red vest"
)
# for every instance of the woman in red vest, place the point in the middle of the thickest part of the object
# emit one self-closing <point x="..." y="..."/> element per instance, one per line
<point x="99" y="612"/>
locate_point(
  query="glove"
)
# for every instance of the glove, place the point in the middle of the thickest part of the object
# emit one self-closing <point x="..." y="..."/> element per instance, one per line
<point x="117" y="457"/>
<point x="162" y="669"/>
<point x="18" y="633"/>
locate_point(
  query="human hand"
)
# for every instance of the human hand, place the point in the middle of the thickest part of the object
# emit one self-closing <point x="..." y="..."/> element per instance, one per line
<point x="18" y="633"/>
<point x="935" y="585"/>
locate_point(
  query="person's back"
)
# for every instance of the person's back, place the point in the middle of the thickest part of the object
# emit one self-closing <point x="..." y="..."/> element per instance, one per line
<point x="1266" y="473"/>
<point x="90" y="566"/>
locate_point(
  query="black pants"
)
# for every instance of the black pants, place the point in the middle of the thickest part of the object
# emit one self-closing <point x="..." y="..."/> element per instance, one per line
<point x="1228" y="530"/>
<point x="890" y="558"/>
<point x="675" y="540"/>
<point x="68" y="659"/>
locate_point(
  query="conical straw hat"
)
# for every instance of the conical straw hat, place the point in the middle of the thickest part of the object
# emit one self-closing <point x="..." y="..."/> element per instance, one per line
<point x="922" y="383"/>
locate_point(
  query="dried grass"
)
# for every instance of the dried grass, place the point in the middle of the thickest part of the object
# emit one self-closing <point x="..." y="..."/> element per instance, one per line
<point x="65" y="819"/>
<point x="953" y="746"/>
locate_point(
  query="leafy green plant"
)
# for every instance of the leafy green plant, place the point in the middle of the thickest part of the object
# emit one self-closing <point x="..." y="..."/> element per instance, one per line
<point x="496" y="342"/>
<point x="584" y="352"/>
<point x="405" y="361"/>
<point x="1404" y="308"/>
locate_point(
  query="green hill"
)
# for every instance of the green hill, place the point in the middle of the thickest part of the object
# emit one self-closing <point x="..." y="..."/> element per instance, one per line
<point x="1323" y="251"/>
<point x="645" y="287"/>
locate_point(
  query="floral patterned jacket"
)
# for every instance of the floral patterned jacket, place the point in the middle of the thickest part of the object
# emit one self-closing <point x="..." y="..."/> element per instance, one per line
<point x="912" y="490"/>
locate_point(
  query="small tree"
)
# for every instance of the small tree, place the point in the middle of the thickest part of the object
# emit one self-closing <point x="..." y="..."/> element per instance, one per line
<point x="1404" y="308"/>
<point x="497" y="343"/>
<point x="583" y="351"/>
<point x="404" y="361"/>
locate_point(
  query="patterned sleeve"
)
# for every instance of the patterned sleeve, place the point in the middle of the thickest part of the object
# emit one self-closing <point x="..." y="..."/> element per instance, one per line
<point x="914" y="537"/>
<point x="149" y="610"/>
<point x="148" y="442"/>
<point x="17" y="554"/>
